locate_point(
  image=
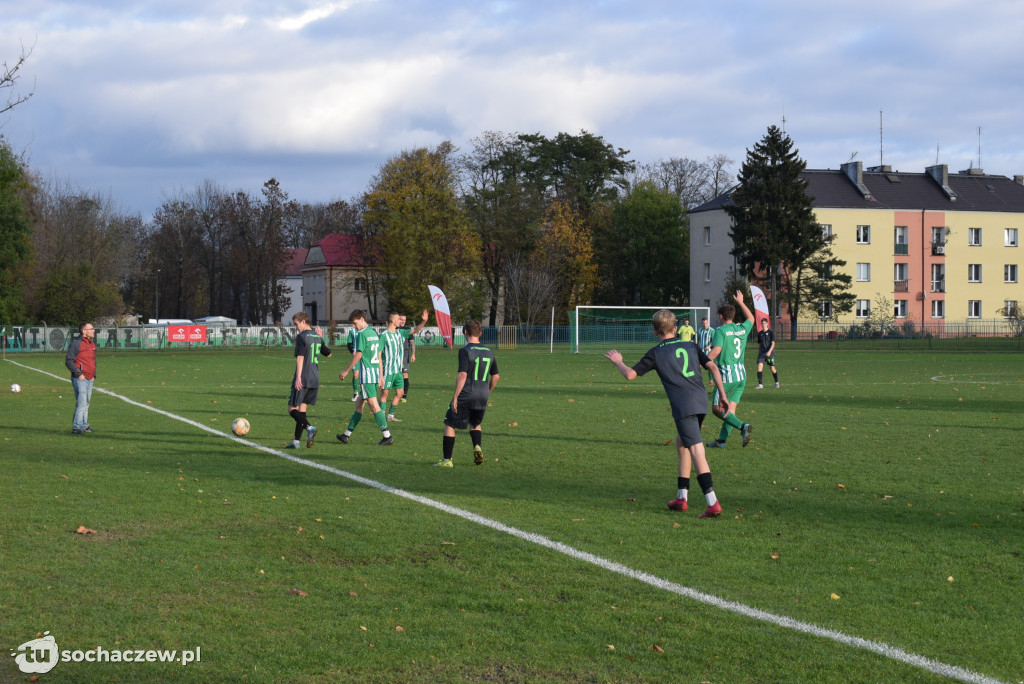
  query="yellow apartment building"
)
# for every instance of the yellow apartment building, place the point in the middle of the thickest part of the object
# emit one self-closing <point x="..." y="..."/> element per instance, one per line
<point x="943" y="248"/>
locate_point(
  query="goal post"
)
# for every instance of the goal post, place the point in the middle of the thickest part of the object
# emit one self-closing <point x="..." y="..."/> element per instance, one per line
<point x="600" y="328"/>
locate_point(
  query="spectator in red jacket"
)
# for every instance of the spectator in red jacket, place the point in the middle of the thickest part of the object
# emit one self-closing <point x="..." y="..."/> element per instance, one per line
<point x="81" y="361"/>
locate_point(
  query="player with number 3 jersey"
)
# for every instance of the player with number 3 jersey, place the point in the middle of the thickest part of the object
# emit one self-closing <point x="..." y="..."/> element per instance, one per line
<point x="727" y="350"/>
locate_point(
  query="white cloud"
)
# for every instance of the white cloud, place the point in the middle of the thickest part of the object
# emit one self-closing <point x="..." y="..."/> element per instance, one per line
<point x="122" y="86"/>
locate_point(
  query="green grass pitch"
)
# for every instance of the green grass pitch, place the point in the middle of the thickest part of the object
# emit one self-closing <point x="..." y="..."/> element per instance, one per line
<point x="882" y="497"/>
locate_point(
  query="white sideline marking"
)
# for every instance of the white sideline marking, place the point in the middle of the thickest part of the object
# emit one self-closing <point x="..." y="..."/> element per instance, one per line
<point x="883" y="649"/>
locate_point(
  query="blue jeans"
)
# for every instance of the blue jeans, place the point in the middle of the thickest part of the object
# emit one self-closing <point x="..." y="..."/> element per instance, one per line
<point x="83" y="395"/>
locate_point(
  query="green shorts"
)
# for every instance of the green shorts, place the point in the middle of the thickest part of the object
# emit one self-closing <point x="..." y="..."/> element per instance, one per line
<point x="733" y="390"/>
<point x="394" y="381"/>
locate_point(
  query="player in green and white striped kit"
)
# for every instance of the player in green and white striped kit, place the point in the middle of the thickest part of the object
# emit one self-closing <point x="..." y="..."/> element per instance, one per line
<point x="394" y="351"/>
<point x="350" y="342"/>
<point x="727" y="349"/>
<point x="367" y="358"/>
<point x="705" y="335"/>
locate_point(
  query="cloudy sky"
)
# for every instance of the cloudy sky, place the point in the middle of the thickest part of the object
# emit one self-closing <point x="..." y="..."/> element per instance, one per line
<point x="139" y="100"/>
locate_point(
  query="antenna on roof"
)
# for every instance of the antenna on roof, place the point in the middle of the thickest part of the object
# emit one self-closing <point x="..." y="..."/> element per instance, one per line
<point x="936" y="153"/>
<point x="851" y="157"/>
<point x="881" y="146"/>
<point x="979" y="148"/>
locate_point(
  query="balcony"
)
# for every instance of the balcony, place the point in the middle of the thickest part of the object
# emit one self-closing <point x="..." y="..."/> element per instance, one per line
<point x="901" y="249"/>
<point x="901" y="286"/>
<point x="938" y="286"/>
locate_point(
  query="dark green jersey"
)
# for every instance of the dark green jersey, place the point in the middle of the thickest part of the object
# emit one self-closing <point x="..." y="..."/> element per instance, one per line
<point x="310" y="346"/>
<point x="477" y="362"/>
<point x="678" y="365"/>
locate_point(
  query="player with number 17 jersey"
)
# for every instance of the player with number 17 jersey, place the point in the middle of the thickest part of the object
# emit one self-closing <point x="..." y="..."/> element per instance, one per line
<point x="478" y="363"/>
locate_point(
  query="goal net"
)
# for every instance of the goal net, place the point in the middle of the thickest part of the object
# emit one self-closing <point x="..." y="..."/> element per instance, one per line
<point x="600" y="328"/>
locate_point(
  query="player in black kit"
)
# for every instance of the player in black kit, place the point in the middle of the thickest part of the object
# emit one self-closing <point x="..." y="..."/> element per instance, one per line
<point x="476" y="379"/>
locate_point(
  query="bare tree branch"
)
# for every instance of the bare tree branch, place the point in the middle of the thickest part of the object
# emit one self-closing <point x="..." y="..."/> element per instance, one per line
<point x="9" y="78"/>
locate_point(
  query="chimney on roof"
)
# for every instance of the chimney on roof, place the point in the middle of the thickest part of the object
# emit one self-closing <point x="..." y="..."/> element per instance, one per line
<point x="855" y="172"/>
<point x="940" y="174"/>
<point x="884" y="168"/>
<point x="1019" y="180"/>
<point x="973" y="171"/>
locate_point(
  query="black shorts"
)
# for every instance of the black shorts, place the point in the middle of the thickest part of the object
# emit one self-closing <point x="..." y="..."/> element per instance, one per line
<point x="464" y="419"/>
<point x="688" y="428"/>
<point x="770" y="360"/>
<point x="306" y="396"/>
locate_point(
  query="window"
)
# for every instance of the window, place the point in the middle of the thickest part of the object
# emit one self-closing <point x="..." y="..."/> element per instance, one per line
<point x="707" y="235"/>
<point x="1011" y="237"/>
<point x="826" y="232"/>
<point x="1009" y="308"/>
<point x="1010" y="273"/>
<point x="707" y="273"/>
<point x="825" y="308"/>
<point x="938" y="308"/>
<point x="900" y="246"/>
<point x="360" y="285"/>
<point x="864" y="272"/>
<point x="974" y="308"/>
<point x="938" y="277"/>
<point x="974" y="237"/>
<point x="901" y="281"/>
<point x="974" y="273"/>
<point x="899" y="309"/>
<point x="863" y="235"/>
<point x="863" y="308"/>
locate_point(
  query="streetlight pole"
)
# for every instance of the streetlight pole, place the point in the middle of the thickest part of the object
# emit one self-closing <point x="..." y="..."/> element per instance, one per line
<point x="157" y="307"/>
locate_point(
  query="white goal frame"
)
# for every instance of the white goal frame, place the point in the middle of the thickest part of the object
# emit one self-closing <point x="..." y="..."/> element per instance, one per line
<point x="696" y="313"/>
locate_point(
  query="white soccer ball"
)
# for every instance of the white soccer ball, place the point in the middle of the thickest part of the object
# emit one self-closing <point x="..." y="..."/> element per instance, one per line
<point x="15" y="388"/>
<point x="240" y="427"/>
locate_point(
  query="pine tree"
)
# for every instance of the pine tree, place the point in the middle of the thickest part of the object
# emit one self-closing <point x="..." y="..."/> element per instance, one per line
<point x="774" y="225"/>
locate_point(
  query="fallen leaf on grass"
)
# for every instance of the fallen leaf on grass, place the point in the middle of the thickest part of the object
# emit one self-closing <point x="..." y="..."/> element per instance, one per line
<point x="82" y="529"/>
<point x="447" y="543"/>
<point x="840" y="486"/>
<point x="834" y="597"/>
<point x="65" y="477"/>
<point x="657" y="649"/>
<point x="399" y="628"/>
<point x="610" y="647"/>
<point x="297" y="592"/>
<point x="362" y="627"/>
<point x="775" y="556"/>
<point x="949" y="579"/>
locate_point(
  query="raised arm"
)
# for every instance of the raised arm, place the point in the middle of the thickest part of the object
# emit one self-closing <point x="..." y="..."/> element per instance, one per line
<point x="616" y="358"/>
<point x="743" y="307"/>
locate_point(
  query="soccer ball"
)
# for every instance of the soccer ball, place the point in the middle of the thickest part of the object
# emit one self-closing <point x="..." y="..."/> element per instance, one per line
<point x="15" y="388"/>
<point x="240" y="427"/>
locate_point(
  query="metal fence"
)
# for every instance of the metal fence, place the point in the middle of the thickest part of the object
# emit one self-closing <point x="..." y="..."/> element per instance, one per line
<point x="969" y="335"/>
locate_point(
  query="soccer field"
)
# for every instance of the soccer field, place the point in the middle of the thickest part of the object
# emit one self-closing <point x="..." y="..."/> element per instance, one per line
<point x="872" y="529"/>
